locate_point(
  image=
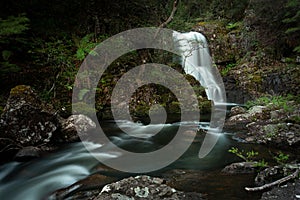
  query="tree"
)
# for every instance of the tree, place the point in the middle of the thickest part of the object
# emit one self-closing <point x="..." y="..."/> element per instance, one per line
<point x="10" y="31"/>
<point x="292" y="19"/>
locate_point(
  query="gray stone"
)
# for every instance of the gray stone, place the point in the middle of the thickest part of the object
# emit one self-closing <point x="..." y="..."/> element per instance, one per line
<point x="26" y="120"/>
<point x="240" y="168"/>
<point x="75" y="126"/>
<point x="143" y="187"/>
<point x="237" y="110"/>
<point x="27" y="153"/>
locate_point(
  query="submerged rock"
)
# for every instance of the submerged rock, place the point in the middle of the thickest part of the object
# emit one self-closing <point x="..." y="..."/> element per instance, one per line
<point x="27" y="153"/>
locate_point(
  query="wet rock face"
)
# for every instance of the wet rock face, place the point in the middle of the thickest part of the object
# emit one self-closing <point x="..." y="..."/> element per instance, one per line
<point x="25" y="120"/>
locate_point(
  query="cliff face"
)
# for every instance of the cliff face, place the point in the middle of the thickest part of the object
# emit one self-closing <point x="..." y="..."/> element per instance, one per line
<point x="249" y="69"/>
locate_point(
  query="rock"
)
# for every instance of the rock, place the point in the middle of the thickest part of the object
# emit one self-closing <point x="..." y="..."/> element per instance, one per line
<point x="259" y="112"/>
<point x="268" y="175"/>
<point x="27" y="153"/>
<point x="8" y="148"/>
<point x="240" y="118"/>
<point x="289" y="191"/>
<point x="143" y="187"/>
<point x="100" y="187"/>
<point x="237" y="110"/>
<point x="240" y="168"/>
<point x="279" y="134"/>
<point x="74" y="127"/>
<point x="26" y="120"/>
<point x="84" y="189"/>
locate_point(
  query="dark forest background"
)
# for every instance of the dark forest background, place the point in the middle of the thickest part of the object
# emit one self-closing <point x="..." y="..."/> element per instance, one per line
<point x="44" y="42"/>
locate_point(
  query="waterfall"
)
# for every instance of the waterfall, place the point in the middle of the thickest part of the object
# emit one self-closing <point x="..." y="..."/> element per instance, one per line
<point x="196" y="61"/>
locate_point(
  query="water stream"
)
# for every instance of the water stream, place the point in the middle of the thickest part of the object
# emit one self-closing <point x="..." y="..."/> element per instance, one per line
<point x="38" y="178"/>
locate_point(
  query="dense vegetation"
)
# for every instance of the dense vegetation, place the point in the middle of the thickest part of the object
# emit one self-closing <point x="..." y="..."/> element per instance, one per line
<point x="44" y="42"/>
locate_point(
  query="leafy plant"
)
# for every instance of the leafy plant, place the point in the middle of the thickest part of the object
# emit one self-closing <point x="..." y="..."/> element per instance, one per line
<point x="249" y="157"/>
<point x="228" y="67"/>
<point x="281" y="158"/>
<point x="246" y="156"/>
<point x="86" y="44"/>
<point x="292" y="18"/>
<point x="233" y="26"/>
<point x="13" y="25"/>
<point x="261" y="164"/>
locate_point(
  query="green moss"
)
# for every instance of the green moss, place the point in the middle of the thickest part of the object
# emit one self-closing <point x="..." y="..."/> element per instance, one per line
<point x="83" y="108"/>
<point x="257" y="79"/>
<point x="174" y="107"/>
<point x="24" y="92"/>
<point x="20" y="89"/>
<point x="204" y="106"/>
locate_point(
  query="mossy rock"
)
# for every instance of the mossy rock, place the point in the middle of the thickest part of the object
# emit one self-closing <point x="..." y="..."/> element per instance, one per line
<point x="83" y="108"/>
<point x="174" y="107"/>
<point x="24" y="93"/>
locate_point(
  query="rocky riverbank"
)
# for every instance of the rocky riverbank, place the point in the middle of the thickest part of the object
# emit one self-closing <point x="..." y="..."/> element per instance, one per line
<point x="274" y="126"/>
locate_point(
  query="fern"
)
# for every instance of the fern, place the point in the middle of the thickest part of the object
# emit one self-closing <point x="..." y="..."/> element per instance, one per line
<point x="13" y="25"/>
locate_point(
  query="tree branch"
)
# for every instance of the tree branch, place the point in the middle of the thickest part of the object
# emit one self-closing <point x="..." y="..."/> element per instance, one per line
<point x="164" y="24"/>
<point x="284" y="179"/>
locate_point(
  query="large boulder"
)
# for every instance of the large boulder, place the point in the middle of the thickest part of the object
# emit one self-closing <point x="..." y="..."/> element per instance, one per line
<point x="26" y="120"/>
<point x="75" y="127"/>
<point x="96" y="187"/>
<point x="143" y="187"/>
<point x="28" y="126"/>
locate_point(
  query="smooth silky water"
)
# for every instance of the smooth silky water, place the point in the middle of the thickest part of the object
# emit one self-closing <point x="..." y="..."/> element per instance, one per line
<point x="40" y="177"/>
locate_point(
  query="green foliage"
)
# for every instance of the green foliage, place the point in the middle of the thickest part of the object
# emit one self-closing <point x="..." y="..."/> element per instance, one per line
<point x="292" y="20"/>
<point x="13" y="25"/>
<point x="181" y="21"/>
<point x="84" y="46"/>
<point x="10" y="28"/>
<point x="275" y="102"/>
<point x="282" y="158"/>
<point x="56" y="52"/>
<point x="228" y="67"/>
<point x="234" y="26"/>
<point x="261" y="164"/>
<point x="246" y="156"/>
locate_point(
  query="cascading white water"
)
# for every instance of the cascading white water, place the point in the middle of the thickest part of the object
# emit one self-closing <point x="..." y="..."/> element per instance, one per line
<point x="196" y="61"/>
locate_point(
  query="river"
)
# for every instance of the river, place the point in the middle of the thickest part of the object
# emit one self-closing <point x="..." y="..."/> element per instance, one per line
<point x="36" y="179"/>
